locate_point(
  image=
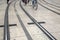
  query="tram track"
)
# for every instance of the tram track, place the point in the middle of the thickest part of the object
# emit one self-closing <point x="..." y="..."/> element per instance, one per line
<point x="56" y="4"/>
<point x="48" y="8"/>
<point x="50" y="5"/>
<point x="38" y="25"/>
<point x="22" y="24"/>
<point x="25" y="28"/>
<point x="6" y="24"/>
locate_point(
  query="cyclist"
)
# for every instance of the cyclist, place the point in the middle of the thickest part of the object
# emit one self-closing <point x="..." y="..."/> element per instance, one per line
<point x="34" y="3"/>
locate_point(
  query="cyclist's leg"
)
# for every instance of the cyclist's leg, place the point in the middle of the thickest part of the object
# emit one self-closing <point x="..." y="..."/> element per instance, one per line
<point x="33" y="3"/>
<point x="36" y="5"/>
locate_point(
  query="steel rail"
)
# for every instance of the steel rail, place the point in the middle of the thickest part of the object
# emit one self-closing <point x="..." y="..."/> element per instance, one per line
<point x="6" y="24"/>
<point x="51" y="37"/>
<point x="49" y="9"/>
<point x="53" y="2"/>
<point x="49" y="5"/>
<point x="22" y="24"/>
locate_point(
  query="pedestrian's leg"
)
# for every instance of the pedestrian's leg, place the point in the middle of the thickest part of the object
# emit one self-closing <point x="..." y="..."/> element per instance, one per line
<point x="7" y="1"/>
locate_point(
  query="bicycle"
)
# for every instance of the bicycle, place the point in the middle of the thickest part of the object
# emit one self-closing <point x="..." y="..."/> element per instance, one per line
<point x="35" y="4"/>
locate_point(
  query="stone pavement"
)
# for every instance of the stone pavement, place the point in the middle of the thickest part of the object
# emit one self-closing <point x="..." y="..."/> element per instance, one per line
<point x="17" y="33"/>
<point x="52" y="20"/>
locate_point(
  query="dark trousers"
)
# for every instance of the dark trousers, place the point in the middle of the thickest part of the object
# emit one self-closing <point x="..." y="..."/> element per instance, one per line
<point x="7" y="1"/>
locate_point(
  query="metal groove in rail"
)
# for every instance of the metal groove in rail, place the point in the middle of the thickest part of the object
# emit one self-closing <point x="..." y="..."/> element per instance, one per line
<point x="22" y="24"/>
<point x="50" y="5"/>
<point x="49" y="9"/>
<point x="38" y="25"/>
<point x="6" y="24"/>
<point x="6" y="27"/>
<point x="53" y="2"/>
